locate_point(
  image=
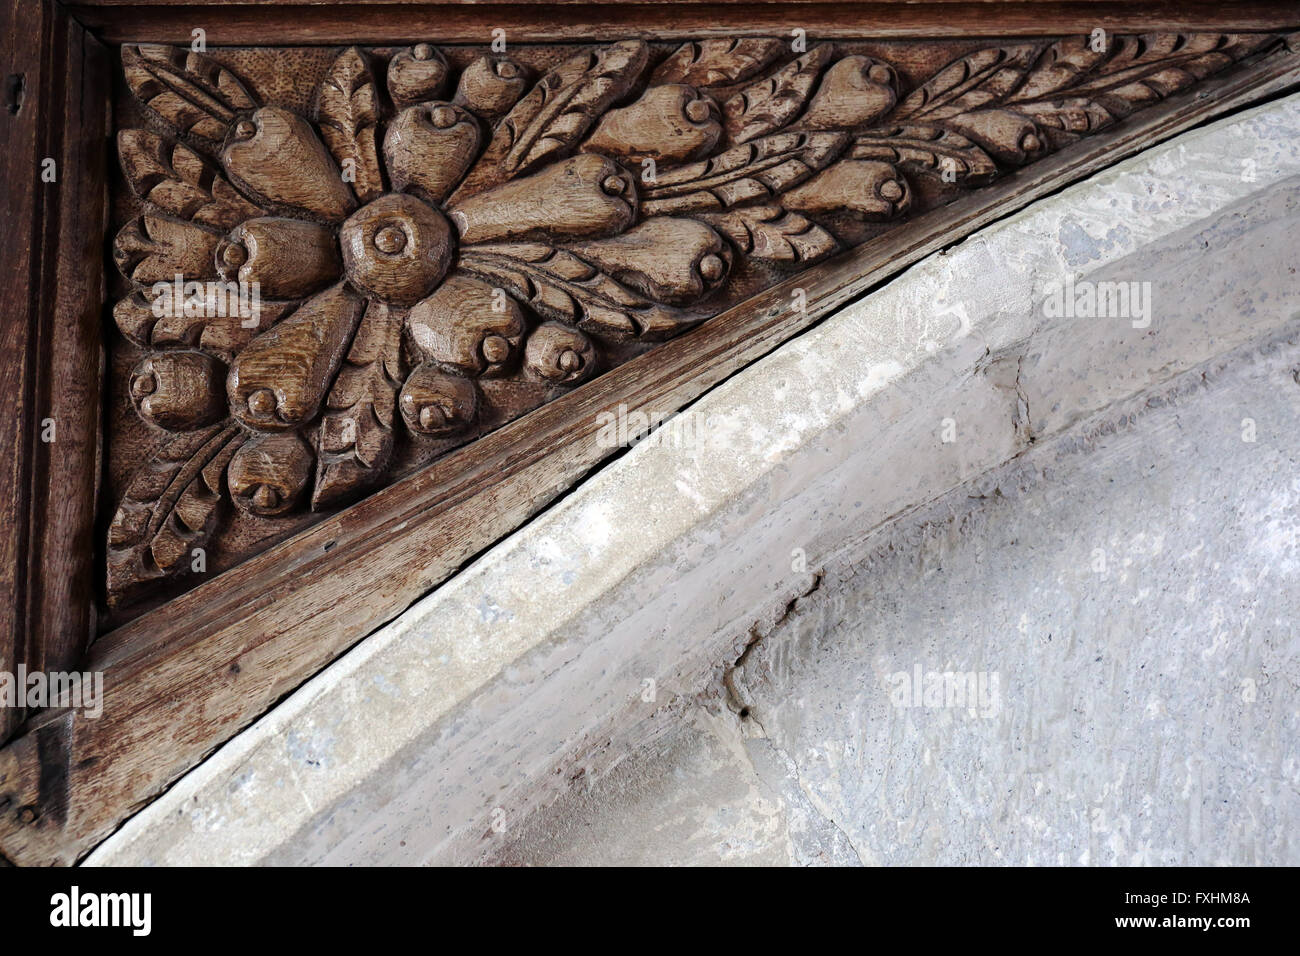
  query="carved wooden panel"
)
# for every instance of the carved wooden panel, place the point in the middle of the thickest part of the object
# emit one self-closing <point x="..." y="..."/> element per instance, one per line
<point x="337" y="265"/>
<point x="462" y="257"/>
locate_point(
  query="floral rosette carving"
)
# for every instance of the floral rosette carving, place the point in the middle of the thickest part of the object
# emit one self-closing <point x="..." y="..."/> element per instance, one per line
<point x="422" y="235"/>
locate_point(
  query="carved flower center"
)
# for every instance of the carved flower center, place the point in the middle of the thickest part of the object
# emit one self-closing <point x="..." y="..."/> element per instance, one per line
<point x="396" y="248"/>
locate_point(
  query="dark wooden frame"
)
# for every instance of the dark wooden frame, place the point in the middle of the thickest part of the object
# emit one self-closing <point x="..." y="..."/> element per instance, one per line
<point x="186" y="676"/>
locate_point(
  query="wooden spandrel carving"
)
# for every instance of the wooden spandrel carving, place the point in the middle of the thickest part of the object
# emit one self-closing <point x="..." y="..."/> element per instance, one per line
<point x="339" y="265"/>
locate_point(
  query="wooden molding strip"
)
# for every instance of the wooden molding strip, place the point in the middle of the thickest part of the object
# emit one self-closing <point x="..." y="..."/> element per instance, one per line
<point x="183" y="678"/>
<point x="52" y="368"/>
<point x="402" y="22"/>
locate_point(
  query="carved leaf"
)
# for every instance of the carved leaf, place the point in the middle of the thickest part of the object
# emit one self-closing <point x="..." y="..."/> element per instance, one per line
<point x="356" y="431"/>
<point x="179" y="181"/>
<point x="976" y="80"/>
<point x="1078" y="90"/>
<point x="151" y="249"/>
<point x="195" y="94"/>
<point x="168" y="326"/>
<point x="170" y="508"/>
<point x="769" y="232"/>
<point x="758" y="170"/>
<point x="558" y="285"/>
<point x="771" y="103"/>
<point x="347" y="112"/>
<point x="927" y="149"/>
<point x="549" y="122"/>
<point x="709" y="63"/>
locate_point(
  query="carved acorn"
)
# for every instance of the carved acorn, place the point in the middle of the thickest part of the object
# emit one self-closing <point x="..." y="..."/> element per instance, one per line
<point x="467" y="327"/>
<point x="179" y="390"/>
<point x="559" y="354"/>
<point x="490" y="86"/>
<point x="267" y="475"/>
<point x="415" y="74"/>
<point x="437" y="404"/>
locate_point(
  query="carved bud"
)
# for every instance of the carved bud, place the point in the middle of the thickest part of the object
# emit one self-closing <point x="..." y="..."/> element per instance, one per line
<point x="468" y="327"/>
<point x="559" y="354"/>
<point x="670" y="260"/>
<point x="268" y="474"/>
<point x="278" y="156"/>
<point x="179" y="390"/>
<point x="280" y="378"/>
<point x="396" y="248"/>
<point x="585" y="195"/>
<point x="491" y="86"/>
<point x="287" y="258"/>
<point x="429" y="147"/>
<point x="669" y="124"/>
<point x="856" y="91"/>
<point x="437" y="404"/>
<point x="1008" y="137"/>
<point x="415" y="74"/>
<point x="873" y="190"/>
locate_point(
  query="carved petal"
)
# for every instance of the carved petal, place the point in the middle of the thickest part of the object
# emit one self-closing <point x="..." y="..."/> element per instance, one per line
<point x="720" y="62"/>
<point x="670" y="260"/>
<point x="437" y="404"/>
<point x="556" y="284"/>
<point x="151" y="249"/>
<point x="856" y="91"/>
<point x="171" y="507"/>
<point x="490" y="86"/>
<point x="771" y="103"/>
<point x="192" y="92"/>
<point x="347" y="112"/>
<point x="669" y="124"/>
<point x="415" y="74"/>
<point x="429" y="147"/>
<point x="587" y="195"/>
<point x="559" y="354"/>
<point x="280" y="378"/>
<point x="179" y="181"/>
<point x="870" y="189"/>
<point x="758" y="170"/>
<point x="356" y="431"/>
<point x="769" y="232"/>
<point x="179" y="390"/>
<point x="268" y="474"/>
<point x="554" y="116"/>
<point x="277" y="156"/>
<point x="288" y="258"/>
<point x="468" y="327"/>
